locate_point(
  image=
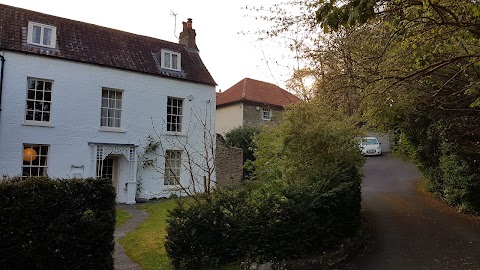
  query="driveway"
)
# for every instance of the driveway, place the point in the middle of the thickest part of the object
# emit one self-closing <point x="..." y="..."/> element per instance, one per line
<point x="410" y="230"/>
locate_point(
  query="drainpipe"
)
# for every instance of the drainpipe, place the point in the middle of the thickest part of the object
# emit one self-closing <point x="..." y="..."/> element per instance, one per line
<point x="1" y="80"/>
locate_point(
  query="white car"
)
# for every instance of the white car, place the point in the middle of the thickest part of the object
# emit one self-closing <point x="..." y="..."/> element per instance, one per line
<point x="370" y="146"/>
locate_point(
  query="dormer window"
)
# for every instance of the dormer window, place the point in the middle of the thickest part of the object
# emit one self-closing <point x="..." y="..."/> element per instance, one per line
<point x="42" y="34"/>
<point x="171" y="60"/>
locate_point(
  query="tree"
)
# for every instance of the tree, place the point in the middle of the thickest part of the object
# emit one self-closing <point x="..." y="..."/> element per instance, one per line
<point x="410" y="64"/>
<point x="310" y="145"/>
<point x="461" y="14"/>
<point x="193" y="154"/>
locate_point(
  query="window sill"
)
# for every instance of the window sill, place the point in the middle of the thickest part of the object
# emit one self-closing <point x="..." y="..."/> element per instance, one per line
<point x="38" y="124"/>
<point x="179" y="134"/>
<point x="172" y="187"/>
<point x="41" y="45"/>
<point x="266" y="119"/>
<point x="112" y="129"/>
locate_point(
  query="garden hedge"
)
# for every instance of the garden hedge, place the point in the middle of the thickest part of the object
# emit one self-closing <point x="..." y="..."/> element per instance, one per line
<point x="268" y="223"/>
<point x="56" y="223"/>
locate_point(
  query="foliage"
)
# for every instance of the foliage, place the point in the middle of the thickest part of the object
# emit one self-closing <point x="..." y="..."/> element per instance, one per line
<point x="464" y="14"/>
<point x="145" y="244"/>
<point x="447" y="158"/>
<point x="242" y="137"/>
<point x="57" y="224"/>
<point x="271" y="222"/>
<point x="306" y="198"/>
<point x="308" y="145"/>
<point x="409" y="65"/>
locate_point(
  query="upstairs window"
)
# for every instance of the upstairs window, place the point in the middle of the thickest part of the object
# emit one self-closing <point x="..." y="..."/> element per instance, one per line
<point x="42" y="34"/>
<point x="39" y="100"/>
<point x="266" y="114"/>
<point x="171" y="60"/>
<point x="111" y="114"/>
<point x="174" y="114"/>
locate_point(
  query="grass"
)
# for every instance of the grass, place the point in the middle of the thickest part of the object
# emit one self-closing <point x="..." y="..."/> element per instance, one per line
<point x="145" y="245"/>
<point x="122" y="217"/>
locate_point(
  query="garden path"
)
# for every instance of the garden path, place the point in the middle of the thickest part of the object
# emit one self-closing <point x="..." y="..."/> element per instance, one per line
<point x="122" y="261"/>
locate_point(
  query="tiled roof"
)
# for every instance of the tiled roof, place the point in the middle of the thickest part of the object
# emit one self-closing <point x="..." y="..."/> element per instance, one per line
<point x="257" y="92"/>
<point x="89" y="43"/>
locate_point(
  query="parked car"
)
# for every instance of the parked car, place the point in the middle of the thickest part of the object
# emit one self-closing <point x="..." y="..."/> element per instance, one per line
<point x="370" y="146"/>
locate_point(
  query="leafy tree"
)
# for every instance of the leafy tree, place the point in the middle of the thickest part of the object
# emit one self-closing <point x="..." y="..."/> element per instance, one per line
<point x="309" y="145"/>
<point x="409" y="64"/>
<point x="461" y="14"/>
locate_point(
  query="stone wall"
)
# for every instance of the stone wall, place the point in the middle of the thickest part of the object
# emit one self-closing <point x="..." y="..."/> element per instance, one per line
<point x="253" y="117"/>
<point x="228" y="163"/>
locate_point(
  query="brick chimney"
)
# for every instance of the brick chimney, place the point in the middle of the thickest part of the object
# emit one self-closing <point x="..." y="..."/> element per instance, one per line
<point x="187" y="36"/>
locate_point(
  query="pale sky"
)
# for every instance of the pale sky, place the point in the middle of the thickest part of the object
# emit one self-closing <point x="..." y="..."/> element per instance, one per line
<point x="229" y="55"/>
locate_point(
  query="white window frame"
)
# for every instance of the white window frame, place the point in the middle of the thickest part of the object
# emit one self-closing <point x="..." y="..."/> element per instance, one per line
<point x="53" y="38"/>
<point x="175" y="111"/>
<point x="173" y="167"/>
<point x="42" y="151"/>
<point x="38" y="105"/>
<point x="111" y="110"/>
<point x="167" y="56"/>
<point x="266" y="114"/>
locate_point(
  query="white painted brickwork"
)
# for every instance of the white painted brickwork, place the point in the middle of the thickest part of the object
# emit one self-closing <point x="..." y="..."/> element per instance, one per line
<point x="75" y="117"/>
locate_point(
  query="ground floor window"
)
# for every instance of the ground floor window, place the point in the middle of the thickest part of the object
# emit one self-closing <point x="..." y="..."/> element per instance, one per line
<point x="173" y="163"/>
<point x="105" y="169"/>
<point x="35" y="160"/>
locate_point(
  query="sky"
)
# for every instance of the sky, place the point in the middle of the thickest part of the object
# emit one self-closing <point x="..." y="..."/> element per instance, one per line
<point x="227" y="53"/>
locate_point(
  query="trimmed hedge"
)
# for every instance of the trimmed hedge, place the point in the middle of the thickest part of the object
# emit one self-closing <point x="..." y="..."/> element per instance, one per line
<point x="56" y="223"/>
<point x="273" y="222"/>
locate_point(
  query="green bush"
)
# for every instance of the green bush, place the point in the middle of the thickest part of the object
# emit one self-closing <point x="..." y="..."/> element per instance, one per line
<point x="461" y="184"/>
<point x="308" y="145"/>
<point x="271" y="222"/>
<point x="305" y="199"/>
<point x="56" y="224"/>
<point x="446" y="152"/>
<point x="243" y="137"/>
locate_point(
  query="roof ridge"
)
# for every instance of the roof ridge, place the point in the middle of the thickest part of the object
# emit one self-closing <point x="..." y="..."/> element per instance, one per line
<point x="91" y="24"/>
<point x="90" y="43"/>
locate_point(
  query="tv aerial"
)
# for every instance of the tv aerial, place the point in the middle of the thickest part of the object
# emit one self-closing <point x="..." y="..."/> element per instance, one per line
<point x="172" y="13"/>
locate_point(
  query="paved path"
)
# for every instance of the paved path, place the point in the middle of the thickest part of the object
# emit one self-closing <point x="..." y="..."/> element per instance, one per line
<point x="122" y="261"/>
<point x="410" y="230"/>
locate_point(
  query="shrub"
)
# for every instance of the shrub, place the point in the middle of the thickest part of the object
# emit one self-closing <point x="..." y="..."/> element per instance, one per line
<point x="271" y="222"/>
<point x="57" y="224"/>
<point x="306" y="198"/>
<point x="243" y="137"/>
<point x="446" y="152"/>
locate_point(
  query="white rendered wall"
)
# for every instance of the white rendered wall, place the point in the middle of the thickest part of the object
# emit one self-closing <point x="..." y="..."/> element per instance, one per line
<point x="75" y="116"/>
<point x="229" y="117"/>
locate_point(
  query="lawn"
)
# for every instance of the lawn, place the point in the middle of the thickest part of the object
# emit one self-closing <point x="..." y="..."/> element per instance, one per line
<point x="122" y="217"/>
<point x="145" y="245"/>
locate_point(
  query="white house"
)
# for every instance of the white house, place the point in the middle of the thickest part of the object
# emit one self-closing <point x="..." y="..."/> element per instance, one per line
<point x="81" y="100"/>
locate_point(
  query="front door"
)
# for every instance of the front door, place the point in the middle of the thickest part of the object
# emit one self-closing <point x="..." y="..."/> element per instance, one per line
<point x="110" y="171"/>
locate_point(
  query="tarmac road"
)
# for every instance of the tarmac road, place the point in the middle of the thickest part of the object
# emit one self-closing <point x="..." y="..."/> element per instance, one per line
<point x="408" y="229"/>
